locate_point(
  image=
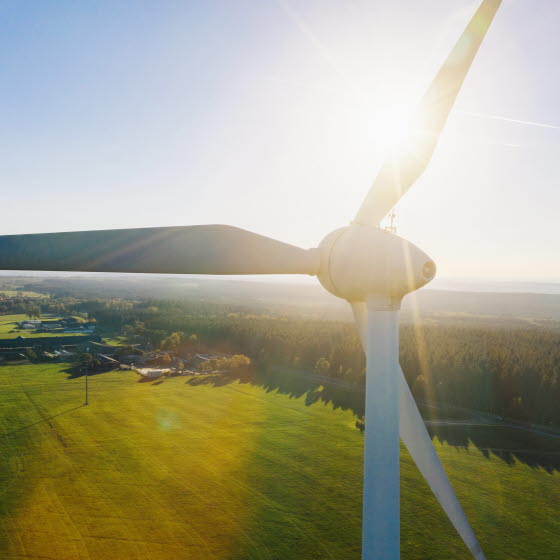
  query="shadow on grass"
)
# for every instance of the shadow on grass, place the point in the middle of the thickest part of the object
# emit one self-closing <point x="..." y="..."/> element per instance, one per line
<point x="212" y="379"/>
<point x="74" y="372"/>
<point x="506" y="443"/>
<point x="43" y="420"/>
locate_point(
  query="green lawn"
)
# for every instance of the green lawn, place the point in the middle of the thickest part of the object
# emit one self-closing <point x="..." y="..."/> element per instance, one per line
<point x="169" y="470"/>
<point x="110" y="338"/>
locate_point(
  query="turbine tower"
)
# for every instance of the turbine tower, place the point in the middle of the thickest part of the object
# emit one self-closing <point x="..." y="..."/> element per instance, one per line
<point x="370" y="268"/>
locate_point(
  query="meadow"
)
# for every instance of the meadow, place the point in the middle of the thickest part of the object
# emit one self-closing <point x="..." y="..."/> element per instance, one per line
<point x="182" y="468"/>
<point x="21" y="293"/>
<point x="8" y="324"/>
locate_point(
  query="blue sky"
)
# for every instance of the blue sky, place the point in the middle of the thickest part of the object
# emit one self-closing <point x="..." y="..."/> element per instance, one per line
<point x="271" y="115"/>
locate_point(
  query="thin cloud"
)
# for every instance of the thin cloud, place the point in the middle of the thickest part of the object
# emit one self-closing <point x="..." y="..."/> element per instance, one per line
<point x="507" y="119"/>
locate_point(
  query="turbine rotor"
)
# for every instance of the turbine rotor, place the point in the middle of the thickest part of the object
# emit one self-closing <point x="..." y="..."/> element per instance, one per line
<point x="360" y="261"/>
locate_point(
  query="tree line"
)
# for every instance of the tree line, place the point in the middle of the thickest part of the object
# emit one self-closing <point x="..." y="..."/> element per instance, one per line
<point x="506" y="371"/>
<point x="510" y="372"/>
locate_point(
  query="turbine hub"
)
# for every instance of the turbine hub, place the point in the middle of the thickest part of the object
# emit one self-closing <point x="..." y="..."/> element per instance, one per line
<point x="359" y="261"/>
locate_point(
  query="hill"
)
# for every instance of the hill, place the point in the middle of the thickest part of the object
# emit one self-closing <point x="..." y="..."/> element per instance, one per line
<point x="178" y="469"/>
<point x="514" y="305"/>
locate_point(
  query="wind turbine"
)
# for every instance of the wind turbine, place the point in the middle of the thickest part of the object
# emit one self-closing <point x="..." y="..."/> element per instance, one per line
<point x="370" y="268"/>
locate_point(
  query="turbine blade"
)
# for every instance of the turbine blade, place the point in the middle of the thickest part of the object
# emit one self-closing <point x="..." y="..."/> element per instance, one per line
<point x="206" y="249"/>
<point x="419" y="444"/>
<point x="417" y="440"/>
<point x="401" y="170"/>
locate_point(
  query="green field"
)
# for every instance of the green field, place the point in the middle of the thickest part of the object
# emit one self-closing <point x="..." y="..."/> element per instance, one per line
<point x="20" y="293"/>
<point x="8" y="323"/>
<point x="167" y="470"/>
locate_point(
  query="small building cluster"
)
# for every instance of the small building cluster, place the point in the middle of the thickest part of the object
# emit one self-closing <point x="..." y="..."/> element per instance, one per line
<point x="62" y="348"/>
<point x="67" y="325"/>
<point x="80" y="339"/>
<point x="150" y="364"/>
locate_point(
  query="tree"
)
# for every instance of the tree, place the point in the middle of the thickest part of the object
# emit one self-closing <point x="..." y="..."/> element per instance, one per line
<point x="361" y="423"/>
<point x="154" y="337"/>
<point x="33" y="311"/>
<point x="208" y="366"/>
<point x="322" y="366"/>
<point x="172" y="341"/>
<point x="419" y="388"/>
<point x="127" y="351"/>
<point x="237" y="362"/>
<point x="88" y="361"/>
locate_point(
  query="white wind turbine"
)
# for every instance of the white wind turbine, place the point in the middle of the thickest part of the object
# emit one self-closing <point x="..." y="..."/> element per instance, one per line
<point x="370" y="268"/>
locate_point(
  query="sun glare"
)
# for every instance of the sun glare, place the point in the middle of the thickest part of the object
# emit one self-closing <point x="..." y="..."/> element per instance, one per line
<point x="393" y="124"/>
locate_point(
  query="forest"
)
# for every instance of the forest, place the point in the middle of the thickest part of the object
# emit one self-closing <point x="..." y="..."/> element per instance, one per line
<point x="514" y="373"/>
<point x="509" y="371"/>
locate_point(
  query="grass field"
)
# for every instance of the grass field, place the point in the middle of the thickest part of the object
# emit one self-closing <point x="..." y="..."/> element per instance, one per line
<point x="8" y="323"/>
<point x="167" y="470"/>
<point x="20" y="293"/>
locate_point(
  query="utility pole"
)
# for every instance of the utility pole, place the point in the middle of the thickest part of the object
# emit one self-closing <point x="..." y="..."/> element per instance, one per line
<point x="86" y="385"/>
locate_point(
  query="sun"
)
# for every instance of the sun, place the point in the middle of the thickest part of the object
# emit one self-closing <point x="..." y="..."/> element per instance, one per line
<point x="393" y="124"/>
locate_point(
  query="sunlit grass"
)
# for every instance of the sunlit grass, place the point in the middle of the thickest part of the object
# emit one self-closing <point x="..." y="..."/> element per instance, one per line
<point x="172" y="470"/>
<point x="8" y="324"/>
<point x="21" y="293"/>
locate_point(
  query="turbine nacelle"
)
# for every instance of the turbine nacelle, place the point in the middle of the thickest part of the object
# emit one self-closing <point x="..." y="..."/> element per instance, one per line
<point x="359" y="261"/>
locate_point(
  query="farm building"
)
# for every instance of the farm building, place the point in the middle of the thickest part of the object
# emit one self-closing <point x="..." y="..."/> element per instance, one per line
<point x="14" y="346"/>
<point x="198" y="359"/>
<point x="152" y="373"/>
<point x="101" y="348"/>
<point x="133" y="359"/>
<point x="47" y="341"/>
<point x="108" y="360"/>
<point x="66" y="354"/>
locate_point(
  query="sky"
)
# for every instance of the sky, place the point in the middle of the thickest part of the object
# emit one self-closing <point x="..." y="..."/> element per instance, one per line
<point x="273" y="115"/>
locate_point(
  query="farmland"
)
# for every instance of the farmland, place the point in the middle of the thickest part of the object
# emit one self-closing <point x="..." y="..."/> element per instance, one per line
<point x="213" y="471"/>
<point x="8" y="327"/>
<point x="20" y="293"/>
